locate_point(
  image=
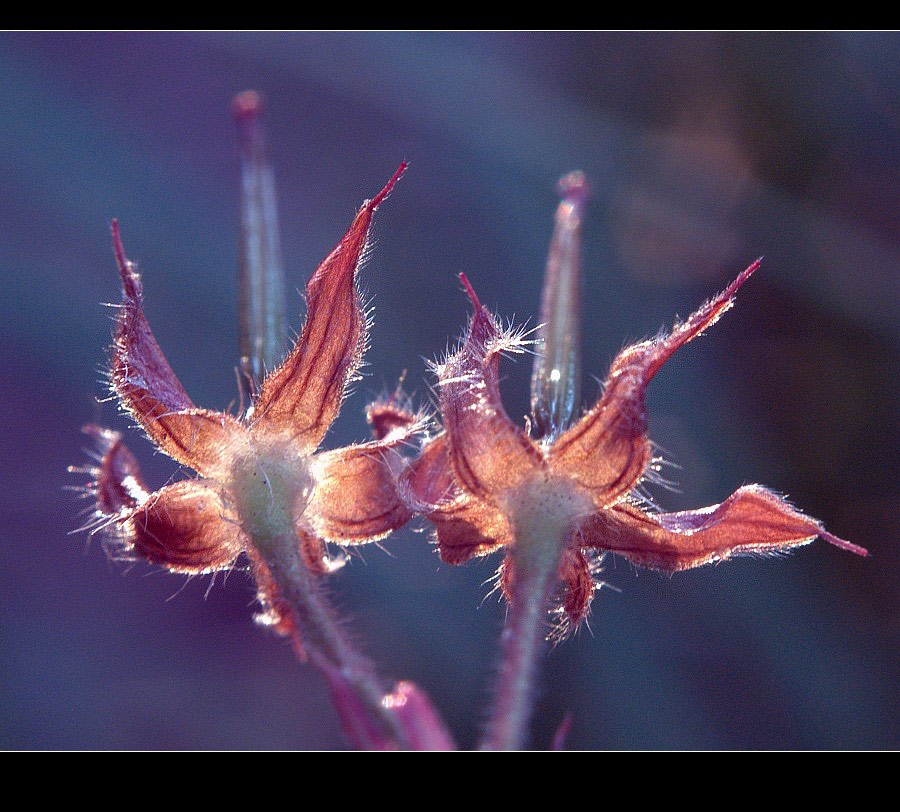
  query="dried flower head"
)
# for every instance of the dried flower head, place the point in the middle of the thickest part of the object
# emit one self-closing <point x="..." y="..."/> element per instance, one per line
<point x="486" y="483"/>
<point x="261" y="476"/>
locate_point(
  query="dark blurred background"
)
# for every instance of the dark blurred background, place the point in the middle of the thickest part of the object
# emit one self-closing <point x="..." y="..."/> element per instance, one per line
<point x="705" y="151"/>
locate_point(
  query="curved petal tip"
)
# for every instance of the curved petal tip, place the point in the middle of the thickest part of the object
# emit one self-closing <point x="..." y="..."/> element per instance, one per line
<point x="389" y="186"/>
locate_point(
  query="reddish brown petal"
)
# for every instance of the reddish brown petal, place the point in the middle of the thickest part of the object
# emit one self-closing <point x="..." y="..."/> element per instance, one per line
<point x="393" y="413"/>
<point x="607" y="451"/>
<point x="466" y="527"/>
<point x="488" y="452"/>
<point x="149" y="390"/>
<point x="184" y="527"/>
<point x="117" y="481"/>
<point x="302" y="396"/>
<point x="356" y="498"/>
<point x="275" y="612"/>
<point x="577" y="585"/>
<point x="385" y="418"/>
<point x="575" y="572"/>
<point x="469" y="528"/>
<point x="751" y="520"/>
<point x="313" y="550"/>
<point x="429" y="482"/>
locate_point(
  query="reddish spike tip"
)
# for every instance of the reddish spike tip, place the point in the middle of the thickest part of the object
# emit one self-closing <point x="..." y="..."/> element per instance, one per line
<point x="742" y="277"/>
<point x="119" y="249"/>
<point x="574" y="188"/>
<point x="246" y="106"/>
<point x="470" y="290"/>
<point x="130" y="279"/>
<point x="388" y="187"/>
<point x="844" y="545"/>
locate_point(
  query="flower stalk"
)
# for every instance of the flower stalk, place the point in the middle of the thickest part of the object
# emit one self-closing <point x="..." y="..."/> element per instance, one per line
<point x="362" y="700"/>
<point x="530" y="574"/>
<point x="557" y="499"/>
<point x="368" y="716"/>
<point x="264" y="489"/>
<point x="540" y="530"/>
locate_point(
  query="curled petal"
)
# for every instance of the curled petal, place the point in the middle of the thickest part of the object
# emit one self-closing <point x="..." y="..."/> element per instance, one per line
<point x="751" y="520"/>
<point x="301" y="398"/>
<point x="185" y="527"/>
<point x="118" y="485"/>
<point x="393" y="413"/>
<point x="148" y="388"/>
<point x="466" y="527"/>
<point x="386" y="418"/>
<point x="607" y="451"/>
<point x="575" y="572"/>
<point x="356" y="496"/>
<point x="577" y="587"/>
<point x="488" y="452"/>
<point x="198" y="438"/>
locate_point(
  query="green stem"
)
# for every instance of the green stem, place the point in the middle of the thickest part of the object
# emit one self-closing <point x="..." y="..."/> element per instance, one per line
<point x="538" y="509"/>
<point x="321" y="635"/>
<point x="534" y="561"/>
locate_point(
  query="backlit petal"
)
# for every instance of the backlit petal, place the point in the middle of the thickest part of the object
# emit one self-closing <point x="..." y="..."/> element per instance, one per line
<point x="392" y="413"/>
<point x="468" y="528"/>
<point x="575" y="573"/>
<point x="429" y="482"/>
<point x="488" y="452"/>
<point x="752" y="520"/>
<point x="301" y="398"/>
<point x="148" y="388"/>
<point x="356" y="496"/>
<point x="185" y="527"/>
<point x="577" y="585"/>
<point x="607" y="451"/>
<point x="118" y="485"/>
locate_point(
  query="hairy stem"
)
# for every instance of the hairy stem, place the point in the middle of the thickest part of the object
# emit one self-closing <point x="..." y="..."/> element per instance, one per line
<point x="319" y="632"/>
<point x="540" y="509"/>
<point x="534" y="563"/>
